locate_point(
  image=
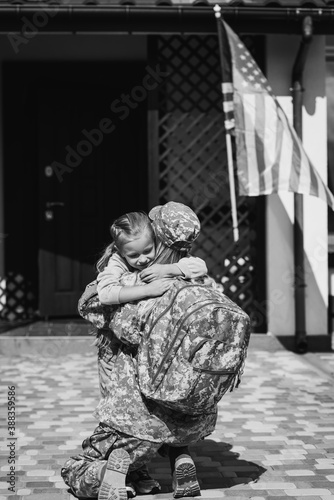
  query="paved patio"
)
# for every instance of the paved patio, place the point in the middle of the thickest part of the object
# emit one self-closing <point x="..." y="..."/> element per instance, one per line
<point x="274" y="438"/>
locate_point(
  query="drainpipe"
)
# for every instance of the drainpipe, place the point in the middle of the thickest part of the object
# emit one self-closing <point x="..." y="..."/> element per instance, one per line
<point x="301" y="345"/>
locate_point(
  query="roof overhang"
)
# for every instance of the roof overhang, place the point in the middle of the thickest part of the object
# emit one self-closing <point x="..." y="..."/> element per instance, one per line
<point x="129" y="19"/>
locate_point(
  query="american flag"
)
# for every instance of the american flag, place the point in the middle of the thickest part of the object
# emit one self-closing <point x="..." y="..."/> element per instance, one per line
<point x="270" y="156"/>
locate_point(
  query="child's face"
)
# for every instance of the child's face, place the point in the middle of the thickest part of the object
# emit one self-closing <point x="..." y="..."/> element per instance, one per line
<point x="139" y="252"/>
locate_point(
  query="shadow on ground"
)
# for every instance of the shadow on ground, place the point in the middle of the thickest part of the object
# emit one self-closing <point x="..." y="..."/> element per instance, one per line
<point x="218" y="466"/>
<point x="315" y="343"/>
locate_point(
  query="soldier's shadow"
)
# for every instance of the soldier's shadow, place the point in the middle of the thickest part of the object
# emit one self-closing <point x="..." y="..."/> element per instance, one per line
<point x="217" y="465"/>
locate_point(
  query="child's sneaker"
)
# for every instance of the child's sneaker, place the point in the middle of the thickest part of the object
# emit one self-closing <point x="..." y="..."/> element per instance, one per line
<point x="185" y="483"/>
<point x="113" y="483"/>
<point x="143" y="483"/>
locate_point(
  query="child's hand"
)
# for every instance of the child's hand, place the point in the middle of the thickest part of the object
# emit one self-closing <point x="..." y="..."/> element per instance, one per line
<point x="159" y="287"/>
<point x="154" y="272"/>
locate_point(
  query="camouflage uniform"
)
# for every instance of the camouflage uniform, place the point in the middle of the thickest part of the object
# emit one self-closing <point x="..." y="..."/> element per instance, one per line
<point x="175" y="224"/>
<point x="127" y="419"/>
<point x="81" y="472"/>
<point x="126" y="410"/>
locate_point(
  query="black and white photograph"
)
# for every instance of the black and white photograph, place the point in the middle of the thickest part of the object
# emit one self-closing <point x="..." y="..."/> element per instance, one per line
<point x="167" y="249"/>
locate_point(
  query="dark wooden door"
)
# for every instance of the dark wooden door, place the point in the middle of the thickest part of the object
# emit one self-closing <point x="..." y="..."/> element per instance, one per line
<point x="85" y="181"/>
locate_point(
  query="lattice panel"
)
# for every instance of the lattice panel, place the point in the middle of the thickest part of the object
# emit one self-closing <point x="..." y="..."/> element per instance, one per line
<point x="192" y="161"/>
<point x="17" y="300"/>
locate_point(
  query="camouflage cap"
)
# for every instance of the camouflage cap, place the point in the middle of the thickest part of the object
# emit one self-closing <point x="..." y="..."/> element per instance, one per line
<point x="176" y="225"/>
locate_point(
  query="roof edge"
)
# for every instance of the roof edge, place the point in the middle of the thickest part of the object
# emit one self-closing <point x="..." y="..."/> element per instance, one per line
<point x="177" y="19"/>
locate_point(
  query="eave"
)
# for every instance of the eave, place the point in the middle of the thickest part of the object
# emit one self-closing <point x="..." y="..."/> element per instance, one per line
<point x="161" y="19"/>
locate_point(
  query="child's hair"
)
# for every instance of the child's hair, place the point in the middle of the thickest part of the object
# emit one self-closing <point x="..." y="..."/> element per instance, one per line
<point x="125" y="228"/>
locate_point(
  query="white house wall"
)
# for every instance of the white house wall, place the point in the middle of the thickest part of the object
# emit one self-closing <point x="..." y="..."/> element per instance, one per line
<point x="281" y="53"/>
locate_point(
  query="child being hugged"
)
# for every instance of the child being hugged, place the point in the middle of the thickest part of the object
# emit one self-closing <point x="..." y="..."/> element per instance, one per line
<point x="128" y="259"/>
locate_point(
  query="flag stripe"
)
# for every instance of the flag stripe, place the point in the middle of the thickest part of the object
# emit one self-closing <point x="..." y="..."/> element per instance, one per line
<point x="260" y="126"/>
<point x="315" y="186"/>
<point x="294" y="181"/>
<point x="285" y="161"/>
<point x="228" y="106"/>
<point x="278" y="155"/>
<point x="242" y="172"/>
<point x="227" y="88"/>
<point x="305" y="179"/>
<point x="250" y="143"/>
<point x="270" y="138"/>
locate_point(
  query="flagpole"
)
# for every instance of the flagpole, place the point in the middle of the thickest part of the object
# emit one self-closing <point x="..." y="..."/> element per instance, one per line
<point x="217" y="10"/>
<point x="232" y="188"/>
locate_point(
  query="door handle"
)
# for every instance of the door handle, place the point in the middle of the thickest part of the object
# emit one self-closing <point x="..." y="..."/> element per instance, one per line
<point x="50" y="204"/>
<point x="49" y="209"/>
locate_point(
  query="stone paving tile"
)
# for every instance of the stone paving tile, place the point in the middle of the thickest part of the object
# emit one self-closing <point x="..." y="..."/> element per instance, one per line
<point x="274" y="437"/>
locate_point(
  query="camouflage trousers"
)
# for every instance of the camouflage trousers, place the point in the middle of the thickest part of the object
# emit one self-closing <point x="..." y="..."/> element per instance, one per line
<point x="81" y="472"/>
